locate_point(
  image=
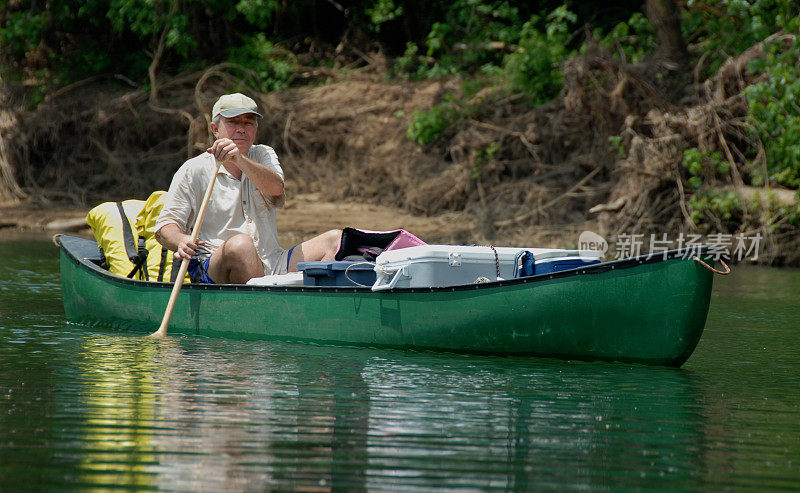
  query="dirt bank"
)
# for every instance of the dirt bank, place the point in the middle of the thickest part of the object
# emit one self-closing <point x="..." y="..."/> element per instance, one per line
<point x="303" y="217"/>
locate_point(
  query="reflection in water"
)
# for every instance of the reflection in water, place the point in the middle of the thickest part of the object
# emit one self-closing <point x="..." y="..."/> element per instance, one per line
<point x="197" y="414"/>
<point x="168" y="414"/>
<point x="118" y="405"/>
<point x="747" y="366"/>
<point x="82" y="409"/>
<point x="524" y="427"/>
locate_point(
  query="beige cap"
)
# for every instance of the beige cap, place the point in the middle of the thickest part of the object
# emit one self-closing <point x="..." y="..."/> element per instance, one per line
<point x="231" y="105"/>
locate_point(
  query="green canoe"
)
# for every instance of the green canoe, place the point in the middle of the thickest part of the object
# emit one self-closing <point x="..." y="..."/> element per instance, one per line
<point x="644" y="310"/>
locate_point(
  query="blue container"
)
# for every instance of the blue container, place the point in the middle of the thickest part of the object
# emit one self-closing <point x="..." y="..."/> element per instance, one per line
<point x="337" y="273"/>
<point x="550" y="265"/>
<point x="526" y="265"/>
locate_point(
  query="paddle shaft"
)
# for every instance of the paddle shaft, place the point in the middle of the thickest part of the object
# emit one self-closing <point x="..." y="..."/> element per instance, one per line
<point x="176" y="288"/>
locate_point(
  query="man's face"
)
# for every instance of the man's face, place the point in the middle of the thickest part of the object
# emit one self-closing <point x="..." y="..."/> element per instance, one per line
<point x="240" y="129"/>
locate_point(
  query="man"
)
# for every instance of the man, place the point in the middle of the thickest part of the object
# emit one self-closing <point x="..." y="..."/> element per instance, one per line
<point x="238" y="239"/>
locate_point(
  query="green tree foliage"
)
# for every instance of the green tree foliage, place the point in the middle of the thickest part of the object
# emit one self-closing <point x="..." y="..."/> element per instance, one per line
<point x="428" y="125"/>
<point x="632" y="40"/>
<point x="470" y="36"/>
<point x="382" y="11"/>
<point x="775" y="111"/>
<point x="271" y="65"/>
<point x="511" y="45"/>
<point x="492" y="46"/>
<point x="722" y="28"/>
<point x="76" y="39"/>
<point x="534" y="67"/>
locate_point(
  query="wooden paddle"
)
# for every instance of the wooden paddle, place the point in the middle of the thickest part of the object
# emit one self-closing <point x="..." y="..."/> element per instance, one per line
<point x="176" y="288"/>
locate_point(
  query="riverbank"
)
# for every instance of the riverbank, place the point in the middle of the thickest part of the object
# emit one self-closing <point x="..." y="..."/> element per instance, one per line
<point x="502" y="173"/>
<point x="307" y="215"/>
<point x="303" y="217"/>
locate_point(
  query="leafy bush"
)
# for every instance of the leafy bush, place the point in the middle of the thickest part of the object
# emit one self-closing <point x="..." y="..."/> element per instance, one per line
<point x="258" y="12"/>
<point x="793" y="212"/>
<point x="702" y="165"/>
<point x="726" y="27"/>
<point x="633" y="40"/>
<point x="410" y="64"/>
<point x="719" y="207"/>
<point x="482" y="156"/>
<point x="470" y="36"/>
<point x="474" y="38"/>
<point x="460" y="40"/>
<point x="382" y="11"/>
<point x="534" y="67"/>
<point x="774" y="106"/>
<point x="428" y="125"/>
<point x="23" y="31"/>
<point x="272" y="65"/>
<point x="148" y="18"/>
<point x="74" y="40"/>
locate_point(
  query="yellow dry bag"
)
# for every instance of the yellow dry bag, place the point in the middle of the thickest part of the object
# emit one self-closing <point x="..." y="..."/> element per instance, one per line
<point x="115" y="232"/>
<point x="159" y="260"/>
<point x="125" y="233"/>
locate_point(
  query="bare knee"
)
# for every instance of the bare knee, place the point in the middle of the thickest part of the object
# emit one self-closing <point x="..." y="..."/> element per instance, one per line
<point x="333" y="236"/>
<point x="239" y="260"/>
<point x="239" y="247"/>
<point x="331" y="240"/>
<point x="321" y="247"/>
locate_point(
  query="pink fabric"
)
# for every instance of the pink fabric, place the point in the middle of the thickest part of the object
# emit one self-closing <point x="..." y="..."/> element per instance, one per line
<point x="371" y="243"/>
<point x="404" y="240"/>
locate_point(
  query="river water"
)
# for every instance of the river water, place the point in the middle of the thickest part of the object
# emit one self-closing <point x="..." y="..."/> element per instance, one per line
<point x="84" y="408"/>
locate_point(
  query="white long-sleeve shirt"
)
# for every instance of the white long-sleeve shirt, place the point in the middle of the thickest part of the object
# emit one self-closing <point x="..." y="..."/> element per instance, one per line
<point x="236" y="206"/>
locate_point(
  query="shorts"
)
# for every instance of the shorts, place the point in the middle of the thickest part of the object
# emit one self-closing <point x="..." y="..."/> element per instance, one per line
<point x="282" y="265"/>
<point x="198" y="270"/>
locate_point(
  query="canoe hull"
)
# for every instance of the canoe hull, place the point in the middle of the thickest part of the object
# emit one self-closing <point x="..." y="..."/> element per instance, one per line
<point x="650" y="312"/>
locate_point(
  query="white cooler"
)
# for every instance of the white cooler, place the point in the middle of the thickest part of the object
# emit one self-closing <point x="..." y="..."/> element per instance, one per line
<point x="453" y="265"/>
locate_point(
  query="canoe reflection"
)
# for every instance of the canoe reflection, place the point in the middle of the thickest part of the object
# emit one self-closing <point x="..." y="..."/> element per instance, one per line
<point x="189" y="413"/>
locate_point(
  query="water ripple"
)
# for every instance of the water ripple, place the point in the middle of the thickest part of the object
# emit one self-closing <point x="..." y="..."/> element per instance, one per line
<point x="82" y="408"/>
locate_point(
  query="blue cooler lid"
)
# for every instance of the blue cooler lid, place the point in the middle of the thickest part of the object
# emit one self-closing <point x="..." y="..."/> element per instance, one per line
<point x="329" y="268"/>
<point x="550" y="265"/>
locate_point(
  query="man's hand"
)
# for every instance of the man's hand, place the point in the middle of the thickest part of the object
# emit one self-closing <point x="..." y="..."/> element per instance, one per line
<point x="177" y="241"/>
<point x="225" y="149"/>
<point x="186" y="248"/>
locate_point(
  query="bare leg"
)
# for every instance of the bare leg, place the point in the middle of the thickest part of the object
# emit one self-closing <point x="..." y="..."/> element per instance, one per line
<point x="236" y="261"/>
<point x="322" y="247"/>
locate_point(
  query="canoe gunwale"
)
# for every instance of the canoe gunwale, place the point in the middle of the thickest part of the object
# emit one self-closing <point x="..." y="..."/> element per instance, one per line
<point x="703" y="251"/>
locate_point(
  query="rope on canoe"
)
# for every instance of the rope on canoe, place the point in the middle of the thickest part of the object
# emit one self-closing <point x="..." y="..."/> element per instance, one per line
<point x="722" y="273"/>
<point x="353" y="265"/>
<point x="496" y="259"/>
